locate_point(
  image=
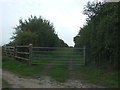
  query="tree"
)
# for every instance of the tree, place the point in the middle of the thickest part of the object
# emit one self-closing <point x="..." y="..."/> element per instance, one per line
<point x="100" y="35"/>
<point x="38" y="31"/>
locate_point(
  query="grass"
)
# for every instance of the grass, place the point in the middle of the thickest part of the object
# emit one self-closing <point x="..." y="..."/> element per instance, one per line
<point x="5" y="84"/>
<point x="95" y="75"/>
<point x="20" y="68"/>
<point x="59" y="73"/>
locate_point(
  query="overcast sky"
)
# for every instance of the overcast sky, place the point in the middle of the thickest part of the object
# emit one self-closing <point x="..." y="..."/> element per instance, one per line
<point x="66" y="16"/>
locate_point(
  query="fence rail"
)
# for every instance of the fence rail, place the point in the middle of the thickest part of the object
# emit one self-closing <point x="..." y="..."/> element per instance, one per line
<point x="46" y="55"/>
<point x="18" y="52"/>
<point x="9" y="51"/>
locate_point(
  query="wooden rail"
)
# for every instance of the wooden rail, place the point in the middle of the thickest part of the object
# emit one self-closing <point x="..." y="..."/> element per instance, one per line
<point x="19" y="52"/>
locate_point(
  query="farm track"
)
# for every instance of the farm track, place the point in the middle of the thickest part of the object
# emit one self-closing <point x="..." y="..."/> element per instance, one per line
<point x="43" y="82"/>
<point x="70" y="69"/>
<point x="46" y="68"/>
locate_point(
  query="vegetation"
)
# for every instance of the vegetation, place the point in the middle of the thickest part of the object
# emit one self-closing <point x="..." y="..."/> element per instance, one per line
<point x="37" y="31"/>
<point x="98" y="76"/>
<point x="20" y="68"/>
<point x="59" y="73"/>
<point x="101" y="34"/>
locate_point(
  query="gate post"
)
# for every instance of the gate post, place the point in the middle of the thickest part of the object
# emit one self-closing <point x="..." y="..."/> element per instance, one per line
<point x="84" y="55"/>
<point x="30" y="54"/>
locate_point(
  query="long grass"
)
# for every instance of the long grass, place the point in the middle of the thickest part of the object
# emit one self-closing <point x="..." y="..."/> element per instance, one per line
<point x="20" y="68"/>
<point x="95" y="75"/>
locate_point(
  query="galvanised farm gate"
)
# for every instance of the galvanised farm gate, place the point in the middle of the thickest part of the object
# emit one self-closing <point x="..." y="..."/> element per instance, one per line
<point x="46" y="55"/>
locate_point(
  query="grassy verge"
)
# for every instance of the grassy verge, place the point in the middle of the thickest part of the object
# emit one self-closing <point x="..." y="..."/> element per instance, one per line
<point x="97" y="76"/>
<point x="20" y="68"/>
<point x="5" y="84"/>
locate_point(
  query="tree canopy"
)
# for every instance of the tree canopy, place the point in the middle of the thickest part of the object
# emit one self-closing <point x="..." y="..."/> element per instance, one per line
<point x="37" y="31"/>
<point x="100" y="35"/>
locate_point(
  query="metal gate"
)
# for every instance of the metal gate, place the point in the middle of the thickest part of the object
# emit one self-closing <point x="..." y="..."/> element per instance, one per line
<point x="58" y="56"/>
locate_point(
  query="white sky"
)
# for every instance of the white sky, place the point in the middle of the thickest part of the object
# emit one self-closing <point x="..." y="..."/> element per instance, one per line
<point x="66" y="16"/>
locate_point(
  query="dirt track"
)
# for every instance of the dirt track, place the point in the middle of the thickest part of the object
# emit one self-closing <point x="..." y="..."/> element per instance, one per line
<point x="43" y="82"/>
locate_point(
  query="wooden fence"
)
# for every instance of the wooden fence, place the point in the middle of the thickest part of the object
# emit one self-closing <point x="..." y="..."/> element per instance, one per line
<point x="19" y="52"/>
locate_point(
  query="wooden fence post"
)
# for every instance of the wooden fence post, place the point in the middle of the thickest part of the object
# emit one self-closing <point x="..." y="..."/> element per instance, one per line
<point x="30" y="54"/>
